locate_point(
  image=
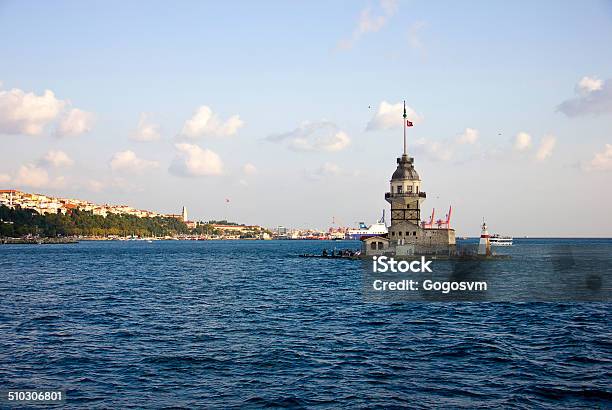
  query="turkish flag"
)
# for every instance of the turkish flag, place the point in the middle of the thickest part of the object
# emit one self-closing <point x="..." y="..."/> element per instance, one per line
<point x="409" y="123"/>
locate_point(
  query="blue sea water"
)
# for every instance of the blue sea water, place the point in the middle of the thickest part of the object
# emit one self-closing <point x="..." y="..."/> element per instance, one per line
<point x="248" y="324"/>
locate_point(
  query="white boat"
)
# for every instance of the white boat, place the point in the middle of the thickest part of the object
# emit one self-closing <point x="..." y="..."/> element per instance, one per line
<point x="499" y="240"/>
<point x="364" y="231"/>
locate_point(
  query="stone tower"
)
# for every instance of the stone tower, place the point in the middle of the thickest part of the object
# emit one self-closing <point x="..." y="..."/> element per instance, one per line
<point x="407" y="236"/>
<point x="184" y="214"/>
<point x="405" y="195"/>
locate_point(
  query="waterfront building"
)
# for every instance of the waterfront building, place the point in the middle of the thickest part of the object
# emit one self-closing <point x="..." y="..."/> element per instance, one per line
<point x="44" y="204"/>
<point x="7" y="196"/>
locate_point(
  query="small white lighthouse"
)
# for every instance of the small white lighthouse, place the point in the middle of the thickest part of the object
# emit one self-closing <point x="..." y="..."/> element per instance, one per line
<point x="484" y="246"/>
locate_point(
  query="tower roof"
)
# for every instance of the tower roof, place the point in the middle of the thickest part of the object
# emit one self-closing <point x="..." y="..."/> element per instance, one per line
<point x="405" y="169"/>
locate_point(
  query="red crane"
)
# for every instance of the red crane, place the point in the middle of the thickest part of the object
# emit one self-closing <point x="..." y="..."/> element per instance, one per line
<point x="439" y="223"/>
<point x="431" y="219"/>
<point x="446" y="223"/>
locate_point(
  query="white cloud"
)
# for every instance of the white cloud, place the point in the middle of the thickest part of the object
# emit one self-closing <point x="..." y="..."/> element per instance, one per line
<point x="32" y="176"/>
<point x="31" y="114"/>
<point x="390" y="116"/>
<point x="249" y="169"/>
<point x="58" y="182"/>
<point x="191" y="160"/>
<point x="205" y="123"/>
<point x="370" y="22"/>
<point x="434" y="150"/>
<point x="389" y="6"/>
<point x="146" y="130"/>
<point x="75" y="122"/>
<point x="328" y="169"/>
<point x="413" y="35"/>
<point x="112" y="184"/>
<point x="546" y="147"/>
<point x="56" y="159"/>
<point x="602" y="161"/>
<point x="128" y="161"/>
<point x="322" y="136"/>
<point x="522" y="141"/>
<point x="593" y="96"/>
<point x="469" y="136"/>
<point x="27" y="113"/>
<point x="589" y="84"/>
<point x="95" y="186"/>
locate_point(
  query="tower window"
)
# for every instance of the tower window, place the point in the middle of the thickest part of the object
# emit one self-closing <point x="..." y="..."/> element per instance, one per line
<point x="399" y="233"/>
<point x="400" y="189"/>
<point x="392" y="233"/>
<point x="410" y="188"/>
<point x="414" y="233"/>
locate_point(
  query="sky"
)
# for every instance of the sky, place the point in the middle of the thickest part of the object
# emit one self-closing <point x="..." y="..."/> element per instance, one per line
<point x="292" y="110"/>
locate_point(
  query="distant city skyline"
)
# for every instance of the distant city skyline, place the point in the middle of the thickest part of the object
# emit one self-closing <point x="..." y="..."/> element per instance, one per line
<point x="293" y="111"/>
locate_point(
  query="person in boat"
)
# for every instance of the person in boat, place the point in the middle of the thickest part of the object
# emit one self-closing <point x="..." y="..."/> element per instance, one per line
<point x="324" y="252"/>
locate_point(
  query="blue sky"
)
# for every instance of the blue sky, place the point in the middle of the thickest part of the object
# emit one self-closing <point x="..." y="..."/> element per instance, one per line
<point x="496" y="68"/>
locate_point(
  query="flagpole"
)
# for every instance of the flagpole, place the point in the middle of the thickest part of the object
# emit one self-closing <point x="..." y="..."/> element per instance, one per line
<point x="405" y="128"/>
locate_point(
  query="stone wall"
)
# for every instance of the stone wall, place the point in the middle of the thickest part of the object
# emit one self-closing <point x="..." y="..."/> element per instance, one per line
<point x="423" y="241"/>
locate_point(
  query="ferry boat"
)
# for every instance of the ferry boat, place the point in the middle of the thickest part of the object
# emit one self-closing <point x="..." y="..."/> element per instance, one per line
<point x="499" y="240"/>
<point x="364" y="231"/>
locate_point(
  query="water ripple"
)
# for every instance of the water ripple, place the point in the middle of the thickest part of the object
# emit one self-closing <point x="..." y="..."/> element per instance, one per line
<point x="247" y="324"/>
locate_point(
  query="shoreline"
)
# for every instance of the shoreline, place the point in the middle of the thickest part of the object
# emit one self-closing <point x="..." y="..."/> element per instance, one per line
<point x="37" y="241"/>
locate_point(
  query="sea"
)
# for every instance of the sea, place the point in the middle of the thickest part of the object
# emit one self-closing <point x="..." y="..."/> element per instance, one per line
<point x="250" y="324"/>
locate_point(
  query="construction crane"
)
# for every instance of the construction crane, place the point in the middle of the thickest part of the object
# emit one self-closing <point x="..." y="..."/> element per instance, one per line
<point x="440" y="223"/>
<point x="446" y="223"/>
<point x="431" y="220"/>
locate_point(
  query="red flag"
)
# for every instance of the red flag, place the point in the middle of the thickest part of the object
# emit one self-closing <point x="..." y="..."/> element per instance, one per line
<point x="409" y="123"/>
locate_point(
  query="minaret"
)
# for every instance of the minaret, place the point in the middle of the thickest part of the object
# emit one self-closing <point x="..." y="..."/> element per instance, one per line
<point x="405" y="194"/>
<point x="184" y="213"/>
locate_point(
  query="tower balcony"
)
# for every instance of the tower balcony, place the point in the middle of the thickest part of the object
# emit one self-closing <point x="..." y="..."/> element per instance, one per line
<point x="389" y="195"/>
